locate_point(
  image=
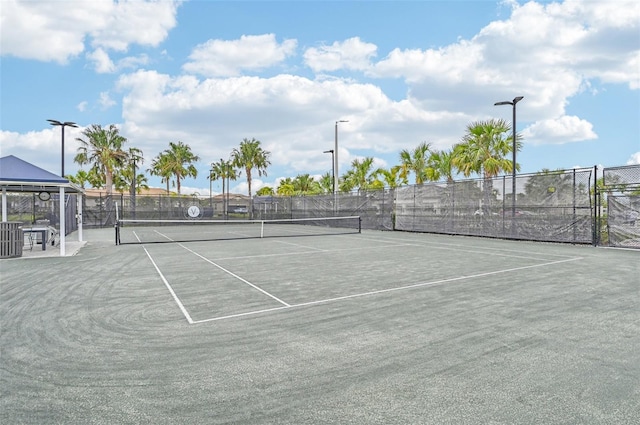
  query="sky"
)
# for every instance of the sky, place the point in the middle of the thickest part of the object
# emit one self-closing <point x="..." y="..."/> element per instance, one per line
<point x="212" y="73"/>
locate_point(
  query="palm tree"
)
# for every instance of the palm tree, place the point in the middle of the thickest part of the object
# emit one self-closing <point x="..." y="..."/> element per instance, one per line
<point x="305" y="184"/>
<point x="391" y="177"/>
<point x="440" y="165"/>
<point x="103" y="148"/>
<point x="483" y="150"/>
<point x="250" y="156"/>
<point x="415" y="161"/>
<point x="227" y="172"/>
<point x="326" y="183"/>
<point x="96" y="179"/>
<point x="361" y="176"/>
<point x="123" y="180"/>
<point x="214" y="173"/>
<point x="124" y="175"/>
<point x="265" y="191"/>
<point x="179" y="162"/>
<point x="160" y="168"/>
<point x="217" y="172"/>
<point x="286" y="187"/>
<point x="81" y="178"/>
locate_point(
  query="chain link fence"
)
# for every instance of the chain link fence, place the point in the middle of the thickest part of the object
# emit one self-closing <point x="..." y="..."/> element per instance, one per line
<point x="550" y="206"/>
<point x="100" y="211"/>
<point x="26" y="207"/>
<point x="554" y="206"/>
<point x="374" y="207"/>
<point x="620" y="197"/>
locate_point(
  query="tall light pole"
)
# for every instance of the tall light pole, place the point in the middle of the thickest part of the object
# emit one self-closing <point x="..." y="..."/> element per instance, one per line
<point x="335" y="161"/>
<point x="333" y="169"/>
<point x="132" y="190"/>
<point x="225" y="206"/>
<point x="63" y="125"/>
<point x="211" y="188"/>
<point x="227" y="171"/>
<point x="513" y="177"/>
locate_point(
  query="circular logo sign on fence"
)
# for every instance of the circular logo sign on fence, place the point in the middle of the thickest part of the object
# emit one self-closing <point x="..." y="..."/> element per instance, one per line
<point x="193" y="211"/>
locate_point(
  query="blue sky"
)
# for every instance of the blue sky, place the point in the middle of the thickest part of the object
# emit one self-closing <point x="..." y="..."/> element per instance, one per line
<point x="210" y="73"/>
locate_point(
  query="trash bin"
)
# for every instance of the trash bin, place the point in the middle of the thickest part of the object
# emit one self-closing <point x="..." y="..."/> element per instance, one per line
<point x="11" y="239"/>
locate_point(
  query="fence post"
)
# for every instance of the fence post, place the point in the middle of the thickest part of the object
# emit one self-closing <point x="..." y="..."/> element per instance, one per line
<point x="595" y="221"/>
<point x="504" y="192"/>
<point x="574" y="206"/>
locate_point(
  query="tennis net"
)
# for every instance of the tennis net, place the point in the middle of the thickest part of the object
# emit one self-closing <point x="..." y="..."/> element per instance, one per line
<point x="162" y="231"/>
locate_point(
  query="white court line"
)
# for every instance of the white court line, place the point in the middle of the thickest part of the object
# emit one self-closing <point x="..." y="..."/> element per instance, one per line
<point x="173" y="294"/>
<point x="456" y="247"/>
<point x="387" y="246"/>
<point x="400" y="288"/>
<point x="441" y="244"/>
<point x="248" y="313"/>
<point x="236" y="276"/>
<point x="177" y="300"/>
<point x="286" y="305"/>
<point x="314" y="252"/>
<point x="302" y="246"/>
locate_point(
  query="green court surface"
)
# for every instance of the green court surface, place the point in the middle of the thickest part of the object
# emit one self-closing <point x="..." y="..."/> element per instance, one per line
<point x="370" y="328"/>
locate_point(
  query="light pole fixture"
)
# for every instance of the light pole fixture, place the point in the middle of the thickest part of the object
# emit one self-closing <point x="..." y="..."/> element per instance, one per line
<point x="63" y="125"/>
<point x="335" y="161"/>
<point x="333" y="169"/>
<point x="513" y="176"/>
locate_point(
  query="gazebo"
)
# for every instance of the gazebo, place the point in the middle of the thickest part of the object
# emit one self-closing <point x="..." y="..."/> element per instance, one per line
<point x="20" y="176"/>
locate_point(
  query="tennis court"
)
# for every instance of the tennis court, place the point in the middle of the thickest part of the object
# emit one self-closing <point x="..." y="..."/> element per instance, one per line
<point x="349" y="327"/>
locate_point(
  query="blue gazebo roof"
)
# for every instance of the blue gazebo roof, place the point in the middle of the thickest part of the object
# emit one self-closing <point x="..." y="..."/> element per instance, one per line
<point x="17" y="175"/>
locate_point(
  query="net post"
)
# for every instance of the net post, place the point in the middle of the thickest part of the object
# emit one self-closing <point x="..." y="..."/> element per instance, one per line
<point x="359" y="224"/>
<point x="117" y="225"/>
<point x="261" y="229"/>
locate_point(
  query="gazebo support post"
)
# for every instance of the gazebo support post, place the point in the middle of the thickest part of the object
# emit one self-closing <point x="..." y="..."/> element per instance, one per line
<point x="62" y="223"/>
<point x="4" y="204"/>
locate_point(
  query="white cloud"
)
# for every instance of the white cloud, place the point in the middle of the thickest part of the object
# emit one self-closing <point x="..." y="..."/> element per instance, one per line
<point x="133" y="62"/>
<point x="634" y="159"/>
<point x="41" y="148"/>
<point x="101" y="61"/>
<point x="292" y="116"/>
<point x="548" y="53"/>
<point x="560" y="130"/>
<point x="106" y="101"/>
<point x="33" y="30"/>
<point x="229" y="57"/>
<point x="352" y="54"/>
<point x="122" y="25"/>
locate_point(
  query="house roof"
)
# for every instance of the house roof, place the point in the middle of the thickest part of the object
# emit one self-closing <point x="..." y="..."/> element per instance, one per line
<point x="152" y="191"/>
<point x="17" y="175"/>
